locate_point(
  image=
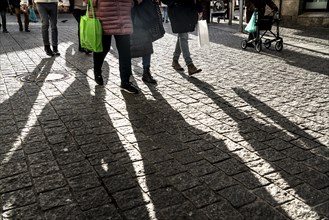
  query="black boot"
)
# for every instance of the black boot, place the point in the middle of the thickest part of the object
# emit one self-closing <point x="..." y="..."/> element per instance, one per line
<point x="98" y="78"/>
<point x="56" y="52"/>
<point x="147" y="77"/>
<point x="48" y="51"/>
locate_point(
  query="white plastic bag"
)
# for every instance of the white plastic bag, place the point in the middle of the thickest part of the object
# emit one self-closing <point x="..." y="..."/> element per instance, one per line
<point x="203" y="34"/>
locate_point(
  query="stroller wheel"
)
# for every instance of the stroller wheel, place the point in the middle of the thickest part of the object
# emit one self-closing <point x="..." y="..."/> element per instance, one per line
<point x="243" y="44"/>
<point x="258" y="46"/>
<point x="279" y="45"/>
<point x="267" y="43"/>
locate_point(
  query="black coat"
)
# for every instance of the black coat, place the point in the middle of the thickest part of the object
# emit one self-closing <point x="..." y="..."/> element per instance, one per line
<point x="3" y="5"/>
<point x="260" y="5"/>
<point x="15" y="3"/>
<point x="147" y="27"/>
<point x="183" y="14"/>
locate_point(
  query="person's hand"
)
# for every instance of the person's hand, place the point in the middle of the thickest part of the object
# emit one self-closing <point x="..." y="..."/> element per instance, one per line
<point x="65" y="9"/>
<point x="24" y="8"/>
<point x="200" y="14"/>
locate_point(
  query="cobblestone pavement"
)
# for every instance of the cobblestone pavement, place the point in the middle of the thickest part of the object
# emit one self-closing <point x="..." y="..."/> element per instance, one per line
<point x="247" y="138"/>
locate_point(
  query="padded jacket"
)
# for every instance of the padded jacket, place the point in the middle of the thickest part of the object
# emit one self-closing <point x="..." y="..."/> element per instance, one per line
<point x="115" y="16"/>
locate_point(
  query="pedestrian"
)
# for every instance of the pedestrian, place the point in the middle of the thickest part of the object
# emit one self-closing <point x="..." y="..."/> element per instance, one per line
<point x="115" y="17"/>
<point x="165" y="13"/>
<point x="183" y="15"/>
<point x="3" y="8"/>
<point x="260" y="5"/>
<point x="148" y="27"/>
<point x="78" y="9"/>
<point x="48" y="11"/>
<point x="16" y="6"/>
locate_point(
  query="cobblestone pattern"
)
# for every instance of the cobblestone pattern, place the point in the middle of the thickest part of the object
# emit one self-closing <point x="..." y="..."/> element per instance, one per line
<point x="248" y="138"/>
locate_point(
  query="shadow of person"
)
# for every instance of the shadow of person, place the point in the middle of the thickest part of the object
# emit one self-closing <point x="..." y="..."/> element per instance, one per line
<point x="284" y="154"/>
<point x="195" y="172"/>
<point x="18" y="119"/>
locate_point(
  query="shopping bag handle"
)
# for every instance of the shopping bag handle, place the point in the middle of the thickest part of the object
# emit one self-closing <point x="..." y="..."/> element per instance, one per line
<point x="90" y="2"/>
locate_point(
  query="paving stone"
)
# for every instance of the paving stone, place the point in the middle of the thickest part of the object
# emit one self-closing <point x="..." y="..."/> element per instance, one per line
<point x="55" y="198"/>
<point x="119" y="182"/>
<point x="11" y="169"/>
<point x="184" y="181"/>
<point x="290" y="166"/>
<point x="92" y="198"/>
<point x="130" y="198"/>
<point x="166" y="197"/>
<point x="12" y="157"/>
<point x="182" y="211"/>
<point x="106" y="169"/>
<point x="93" y="148"/>
<point x="35" y="147"/>
<point x="251" y="180"/>
<point x="309" y="194"/>
<point x="27" y="212"/>
<point x="49" y="182"/>
<point x="297" y="209"/>
<point x="218" y="180"/>
<point x="15" y="182"/>
<point x="84" y="181"/>
<point x="278" y="144"/>
<point x="43" y="169"/>
<point x="298" y="154"/>
<point x="170" y="167"/>
<point x="283" y="180"/>
<point x="201" y="168"/>
<point x="157" y="156"/>
<point x="231" y="166"/>
<point x="201" y="196"/>
<point x="70" y="157"/>
<point x="103" y="212"/>
<point x="221" y="210"/>
<point x="101" y="158"/>
<point x="260" y="210"/>
<point x="71" y="211"/>
<point x="237" y="195"/>
<point x="273" y="195"/>
<point x="18" y="198"/>
<point x="314" y="178"/>
<point x="214" y="155"/>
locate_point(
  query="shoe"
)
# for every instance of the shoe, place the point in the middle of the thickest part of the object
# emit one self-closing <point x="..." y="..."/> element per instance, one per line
<point x="27" y="30"/>
<point x="147" y="77"/>
<point x="84" y="51"/>
<point x="48" y="51"/>
<point x="129" y="87"/>
<point x="55" y="50"/>
<point x="192" y="69"/>
<point x="5" y="31"/>
<point x="177" y="66"/>
<point x="20" y="28"/>
<point x="167" y="21"/>
<point x="98" y="78"/>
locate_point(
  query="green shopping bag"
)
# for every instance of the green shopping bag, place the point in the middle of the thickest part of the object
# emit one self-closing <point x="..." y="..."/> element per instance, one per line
<point x="251" y="26"/>
<point x="91" y="31"/>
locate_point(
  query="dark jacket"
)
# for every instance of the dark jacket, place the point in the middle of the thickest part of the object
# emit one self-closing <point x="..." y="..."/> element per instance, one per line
<point x="183" y="14"/>
<point x="15" y="3"/>
<point x="3" y="5"/>
<point x="260" y="5"/>
<point x="147" y="27"/>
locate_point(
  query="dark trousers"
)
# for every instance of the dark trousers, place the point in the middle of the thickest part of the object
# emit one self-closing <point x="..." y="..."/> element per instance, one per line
<point x="123" y="46"/>
<point x="19" y="20"/>
<point x="3" y="18"/>
<point x="77" y="13"/>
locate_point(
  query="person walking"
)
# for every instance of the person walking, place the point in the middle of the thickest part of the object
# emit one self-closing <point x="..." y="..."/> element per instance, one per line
<point x="115" y="17"/>
<point x="183" y="15"/>
<point x="78" y="9"/>
<point x="165" y="13"/>
<point x="48" y="11"/>
<point x="21" y="10"/>
<point x="146" y="16"/>
<point x="3" y="8"/>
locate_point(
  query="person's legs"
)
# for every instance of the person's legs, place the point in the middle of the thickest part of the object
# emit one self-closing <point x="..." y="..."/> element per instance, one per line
<point x="123" y="46"/>
<point x="77" y="13"/>
<point x="147" y="77"/>
<point x="43" y="13"/>
<point x="52" y="11"/>
<point x="177" y="52"/>
<point x="4" y="22"/>
<point x="26" y="21"/>
<point x="183" y="43"/>
<point x="18" y="17"/>
<point x="99" y="57"/>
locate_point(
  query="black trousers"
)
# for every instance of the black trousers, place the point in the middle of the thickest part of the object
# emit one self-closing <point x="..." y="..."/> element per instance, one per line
<point x="77" y="13"/>
<point x="123" y="46"/>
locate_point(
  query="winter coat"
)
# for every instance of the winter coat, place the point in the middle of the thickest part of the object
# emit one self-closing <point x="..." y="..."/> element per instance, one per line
<point x="183" y="14"/>
<point x="15" y="3"/>
<point x="3" y="5"/>
<point x="115" y="16"/>
<point x="260" y="5"/>
<point x="65" y="2"/>
<point x="148" y="27"/>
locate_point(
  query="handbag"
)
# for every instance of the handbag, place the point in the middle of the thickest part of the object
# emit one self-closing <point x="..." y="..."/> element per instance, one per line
<point x="32" y="16"/>
<point x="251" y="26"/>
<point x="91" y="31"/>
<point x="203" y="34"/>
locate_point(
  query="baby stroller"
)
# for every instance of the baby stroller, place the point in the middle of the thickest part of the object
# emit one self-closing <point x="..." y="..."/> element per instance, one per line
<point x="264" y="25"/>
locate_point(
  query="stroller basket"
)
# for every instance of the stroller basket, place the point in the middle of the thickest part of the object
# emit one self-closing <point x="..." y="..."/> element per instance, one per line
<point x="265" y="23"/>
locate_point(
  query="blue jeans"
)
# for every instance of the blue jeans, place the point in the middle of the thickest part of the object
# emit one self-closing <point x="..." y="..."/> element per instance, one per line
<point x="165" y="14"/>
<point x="182" y="47"/>
<point x="48" y="11"/>
<point x="146" y="61"/>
